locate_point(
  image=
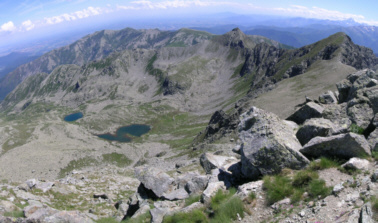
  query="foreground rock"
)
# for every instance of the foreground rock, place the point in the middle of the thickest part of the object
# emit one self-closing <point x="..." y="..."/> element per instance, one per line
<point x="154" y="179"/>
<point x="315" y="127"/>
<point x="210" y="161"/>
<point x="356" y="164"/>
<point x="268" y="144"/>
<point x="309" y="110"/>
<point x="343" y="146"/>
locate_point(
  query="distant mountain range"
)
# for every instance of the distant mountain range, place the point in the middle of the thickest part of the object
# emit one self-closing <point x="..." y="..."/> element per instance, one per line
<point x="300" y="36"/>
<point x="199" y="70"/>
<point x="101" y="44"/>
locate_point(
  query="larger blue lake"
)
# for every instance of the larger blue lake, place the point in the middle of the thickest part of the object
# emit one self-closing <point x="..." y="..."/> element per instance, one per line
<point x="73" y="117"/>
<point x="123" y="133"/>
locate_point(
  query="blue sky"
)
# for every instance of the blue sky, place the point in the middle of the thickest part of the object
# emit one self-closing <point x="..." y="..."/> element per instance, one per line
<point x="23" y="17"/>
<point x="26" y="15"/>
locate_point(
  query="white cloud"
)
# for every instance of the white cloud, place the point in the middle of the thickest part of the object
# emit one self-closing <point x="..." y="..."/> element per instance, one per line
<point x="90" y="11"/>
<point x="9" y="26"/>
<point x="317" y="13"/>
<point x="28" y="25"/>
<point x="145" y="4"/>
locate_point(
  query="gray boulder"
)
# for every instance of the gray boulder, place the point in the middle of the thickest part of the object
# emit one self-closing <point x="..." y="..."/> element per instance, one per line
<point x="343" y="146"/>
<point x="374" y="176"/>
<point x="366" y="214"/>
<point x="197" y="184"/>
<point x="307" y="111"/>
<point x="209" y="161"/>
<point x="178" y="194"/>
<point x="327" y="98"/>
<point x="67" y="216"/>
<point x="373" y="140"/>
<point x="372" y="95"/>
<point x="361" y="114"/>
<point x="154" y="179"/>
<point x="356" y="164"/>
<point x="211" y="190"/>
<point x="44" y="186"/>
<point x="157" y="214"/>
<point x="373" y="136"/>
<point x="335" y="112"/>
<point x="268" y="144"/>
<point x="315" y="127"/>
<point x="343" y="88"/>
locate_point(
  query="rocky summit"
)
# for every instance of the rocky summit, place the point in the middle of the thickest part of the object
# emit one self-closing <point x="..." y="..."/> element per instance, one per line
<point x="212" y="154"/>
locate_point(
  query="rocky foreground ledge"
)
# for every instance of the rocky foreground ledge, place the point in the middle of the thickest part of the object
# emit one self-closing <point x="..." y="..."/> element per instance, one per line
<point x="271" y="154"/>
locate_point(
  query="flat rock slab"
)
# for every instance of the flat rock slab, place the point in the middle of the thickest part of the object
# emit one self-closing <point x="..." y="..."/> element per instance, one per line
<point x="343" y="146"/>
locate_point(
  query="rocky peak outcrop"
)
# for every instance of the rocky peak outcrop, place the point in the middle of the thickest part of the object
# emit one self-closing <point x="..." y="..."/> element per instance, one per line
<point x="268" y="144"/>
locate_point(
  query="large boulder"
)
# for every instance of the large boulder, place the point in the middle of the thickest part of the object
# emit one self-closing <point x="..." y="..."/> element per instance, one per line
<point x="315" y="127"/>
<point x="197" y="184"/>
<point x="372" y="95"/>
<point x="343" y="146"/>
<point x="154" y="179"/>
<point x="307" y="111"/>
<point x="361" y="114"/>
<point x="343" y="88"/>
<point x="268" y="144"/>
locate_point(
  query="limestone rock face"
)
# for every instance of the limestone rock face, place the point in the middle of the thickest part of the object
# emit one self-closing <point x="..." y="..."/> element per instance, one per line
<point x="307" y="111"/>
<point x="268" y="144"/>
<point x="154" y="179"/>
<point x="315" y="127"/>
<point x="344" y="146"/>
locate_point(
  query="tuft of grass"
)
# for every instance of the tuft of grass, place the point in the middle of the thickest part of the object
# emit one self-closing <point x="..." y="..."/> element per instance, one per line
<point x="251" y="197"/>
<point x="304" y="177"/>
<point x="228" y="211"/>
<point x="107" y="220"/>
<point x="296" y="196"/>
<point x="195" y="216"/>
<point x="144" y="218"/>
<point x="356" y="129"/>
<point x="220" y="197"/>
<point x="349" y="171"/>
<point x="117" y="159"/>
<point x="317" y="188"/>
<point x="374" y="154"/>
<point x="15" y="214"/>
<point x="192" y="199"/>
<point x="324" y="163"/>
<point x="374" y="205"/>
<point x="277" y="188"/>
<point x="77" y="164"/>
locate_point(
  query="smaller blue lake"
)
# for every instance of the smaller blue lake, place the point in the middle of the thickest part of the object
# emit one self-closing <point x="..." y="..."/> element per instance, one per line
<point x="73" y="117"/>
<point x="123" y="133"/>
